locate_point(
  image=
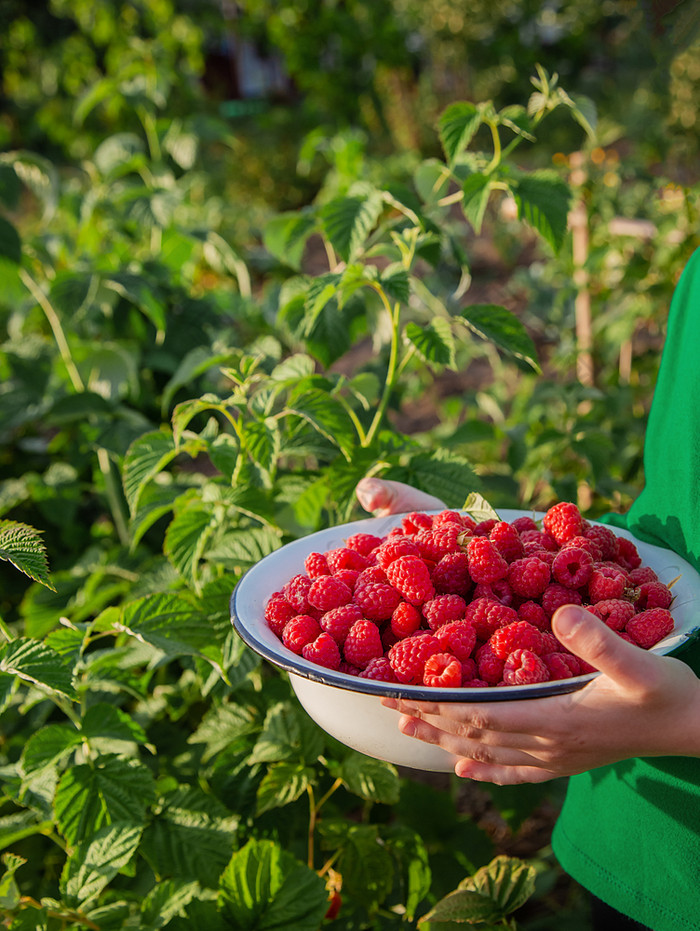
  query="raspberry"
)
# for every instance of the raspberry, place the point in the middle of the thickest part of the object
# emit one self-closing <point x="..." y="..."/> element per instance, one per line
<point x="528" y="577"/>
<point x="410" y="575"/>
<point x="393" y="548"/>
<point x="536" y="549"/>
<point x="572" y="566"/>
<point x="299" y="631"/>
<point x="349" y="576"/>
<point x="489" y="665"/>
<point x="458" y="638"/>
<point x="452" y="517"/>
<point x="563" y="521"/>
<point x="345" y="558"/>
<point x="604" y="538"/>
<point x="516" y="636"/>
<point x="590" y="546"/>
<point x="653" y="595"/>
<point x="363" y="543"/>
<point x="627" y="554"/>
<point x="484" y="527"/>
<point x="451" y="575"/>
<point x="370" y="574"/>
<point x="469" y="670"/>
<point x="296" y="590"/>
<point x="362" y="643"/>
<point x="524" y="523"/>
<point x="507" y="541"/>
<point x="642" y="574"/>
<point x="414" y="522"/>
<point x="550" y="644"/>
<point x="561" y="665"/>
<point x="378" y="600"/>
<point x="348" y="668"/>
<point x="442" y="670"/>
<point x="541" y="538"/>
<point x="487" y="616"/>
<point x="615" y="612"/>
<point x="328" y="592"/>
<point x="405" y="620"/>
<point x="408" y="657"/>
<point x="436" y="543"/>
<point x="485" y="562"/>
<point x="316" y="565"/>
<point x="556" y="595"/>
<point x="277" y="612"/>
<point x="533" y="612"/>
<point x="388" y="636"/>
<point x="606" y="583"/>
<point x="474" y="684"/>
<point x="338" y="621"/>
<point x="524" y="668"/>
<point x="650" y="626"/>
<point x="380" y="669"/>
<point x="442" y="609"/>
<point x="323" y="651"/>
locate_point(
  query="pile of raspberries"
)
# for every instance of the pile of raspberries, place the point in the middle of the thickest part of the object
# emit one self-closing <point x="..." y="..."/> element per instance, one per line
<point x="444" y="601"/>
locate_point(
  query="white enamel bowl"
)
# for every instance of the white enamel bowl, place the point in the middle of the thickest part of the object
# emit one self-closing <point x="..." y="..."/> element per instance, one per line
<point x="350" y="708"/>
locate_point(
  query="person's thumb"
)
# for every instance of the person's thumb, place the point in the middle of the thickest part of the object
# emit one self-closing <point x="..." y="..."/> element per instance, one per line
<point x="587" y="637"/>
<point x="383" y="497"/>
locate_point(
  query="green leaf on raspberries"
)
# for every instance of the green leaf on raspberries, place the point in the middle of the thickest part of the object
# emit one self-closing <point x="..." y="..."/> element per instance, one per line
<point x="543" y="200"/>
<point x="500" y="326"/>
<point x="348" y="221"/>
<point x="463" y="907"/>
<point x="104" y="722"/>
<point x="476" y="190"/>
<point x="326" y="415"/>
<point x="145" y="458"/>
<point x="168" y="899"/>
<point x="241" y="549"/>
<point x="411" y="856"/>
<point x="21" y="824"/>
<point x="433" y="342"/>
<point x="264" y="888"/>
<point x="508" y="881"/>
<point x="222" y="727"/>
<point x="442" y="473"/>
<point x="35" y="662"/>
<point x="22" y="546"/>
<point x="283" y="784"/>
<point x="287" y="734"/>
<point x="285" y="236"/>
<point x="49" y="746"/>
<point x="457" y="125"/>
<point x="366" y="865"/>
<point x="370" y="779"/>
<point x="186" y="538"/>
<point x="96" y="861"/>
<point x="479" y="508"/>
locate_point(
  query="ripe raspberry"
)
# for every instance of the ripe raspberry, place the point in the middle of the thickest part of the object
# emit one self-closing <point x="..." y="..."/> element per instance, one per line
<point x="614" y="612"/>
<point x="394" y="547"/>
<point x="572" y="566"/>
<point x="348" y="668"/>
<point x="408" y="657"/>
<point x="414" y="522"/>
<point x="362" y="643"/>
<point x="363" y="543"/>
<point x="338" y="621"/>
<point x="451" y="575"/>
<point x="487" y="616"/>
<point x="541" y="538"/>
<point x="500" y="591"/>
<point x="535" y="549"/>
<point x="469" y="670"/>
<point x="524" y="523"/>
<point x="380" y="669"/>
<point x="604" y="538"/>
<point x="438" y="542"/>
<point x="489" y="665"/>
<point x="442" y="609"/>
<point x="345" y="558"/>
<point x="388" y="636"/>
<point x="442" y="670"/>
<point x="378" y="600"/>
<point x="650" y="626"/>
<point x="561" y="665"/>
<point x="563" y="521"/>
<point x="323" y="651"/>
<point x="556" y="595"/>
<point x="370" y="574"/>
<point x="474" y="684"/>
<point x="524" y="668"/>
<point x="590" y="546"/>
<point x="653" y="595"/>
<point x="277" y="612"/>
<point x="533" y="613"/>
<point x="507" y="541"/>
<point x="299" y="631"/>
<point x="316" y="565"/>
<point x="550" y="644"/>
<point x="516" y="636"/>
<point x="606" y="583"/>
<point x="484" y="527"/>
<point x="349" y="576"/>
<point x="627" y="554"/>
<point x="411" y="577"/>
<point x="485" y="562"/>
<point x="405" y="620"/>
<point x="328" y="592"/>
<point x="457" y="638"/>
<point x="296" y="590"/>
<point x="528" y="577"/>
<point x="642" y="574"/>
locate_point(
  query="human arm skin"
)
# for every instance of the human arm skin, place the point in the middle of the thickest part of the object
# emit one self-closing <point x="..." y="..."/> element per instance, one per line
<point x="642" y="704"/>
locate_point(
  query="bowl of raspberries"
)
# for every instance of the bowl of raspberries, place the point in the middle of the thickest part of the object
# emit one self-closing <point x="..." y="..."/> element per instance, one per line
<point x="443" y="606"/>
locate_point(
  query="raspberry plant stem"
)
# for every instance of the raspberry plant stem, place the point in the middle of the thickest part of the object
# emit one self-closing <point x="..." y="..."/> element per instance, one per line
<point x="392" y="367"/>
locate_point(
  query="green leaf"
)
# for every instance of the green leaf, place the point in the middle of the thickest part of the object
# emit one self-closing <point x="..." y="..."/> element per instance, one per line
<point x="103" y="722"/>
<point x="479" y="508"/>
<point x="366" y="865"/>
<point x="186" y="538"/>
<point x="348" y="221"/>
<point x="463" y="907"/>
<point x="9" y="891"/>
<point x="222" y="727"/>
<point x="543" y="200"/>
<point x="432" y="180"/>
<point x="49" y="746"/>
<point x="144" y="459"/>
<point x="287" y="734"/>
<point x="262" y="441"/>
<point x="433" y="342"/>
<point x="196" y="362"/>
<point x="241" y="549"/>
<point x="456" y="127"/>
<point x="116" y="151"/>
<point x="370" y="779"/>
<point x="21" y="824"/>
<point x="22" y="546"/>
<point x="107" y="791"/>
<point x="326" y="415"/>
<point x="35" y="662"/>
<point x="502" y="327"/>
<point x="10" y="243"/>
<point x="476" y="189"/>
<point x="508" y="881"/>
<point x="285" y="236"/>
<point x="167" y="900"/>
<point x="442" y="473"/>
<point x="142" y="294"/>
<point x="396" y="283"/>
<point x="264" y="888"/>
<point x="283" y="784"/>
<point x="10" y="187"/>
<point x="96" y="861"/>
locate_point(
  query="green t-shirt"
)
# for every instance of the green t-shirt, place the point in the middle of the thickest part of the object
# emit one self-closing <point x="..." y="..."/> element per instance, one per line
<point x="630" y="833"/>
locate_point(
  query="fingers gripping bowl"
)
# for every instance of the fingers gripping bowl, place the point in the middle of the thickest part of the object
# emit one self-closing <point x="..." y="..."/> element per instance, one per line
<point x="349" y="707"/>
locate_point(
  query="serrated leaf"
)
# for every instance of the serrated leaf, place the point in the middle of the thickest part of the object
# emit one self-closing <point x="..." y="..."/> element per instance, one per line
<point x="222" y="727"/>
<point x="21" y="824"/>
<point x="396" y="283"/>
<point x="283" y="784"/>
<point x="479" y="508"/>
<point x="35" y="662"/>
<point x="433" y="342"/>
<point x="49" y="746"/>
<point x="167" y="900"/>
<point x="319" y="293"/>
<point x="108" y="791"/>
<point x="476" y="189"/>
<point x="262" y="441"/>
<point x="507" y="881"/>
<point x="241" y="549"/>
<point x="96" y="861"/>
<point x="348" y="221"/>
<point x="442" y="473"/>
<point x="186" y="538"/>
<point x="109" y="723"/>
<point x="285" y="236"/>
<point x="456" y="127"/>
<point x="366" y="865"/>
<point x="287" y="734"/>
<point x="500" y="326"/>
<point x="463" y="907"/>
<point x="370" y="779"/>
<point x="265" y="888"/>
<point x="543" y="200"/>
<point x="326" y="415"/>
<point x="22" y="546"/>
<point x="144" y="459"/>
<point x="196" y="362"/>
